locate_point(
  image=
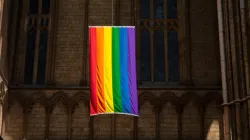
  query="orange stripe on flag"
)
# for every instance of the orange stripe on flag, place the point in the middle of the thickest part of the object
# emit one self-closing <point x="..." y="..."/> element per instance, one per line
<point x="100" y="70"/>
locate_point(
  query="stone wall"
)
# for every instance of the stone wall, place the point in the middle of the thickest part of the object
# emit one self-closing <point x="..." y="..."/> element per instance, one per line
<point x="70" y="62"/>
<point x="4" y="17"/>
<point x="190" y="114"/>
<point x="163" y="115"/>
<point x="69" y="44"/>
<point x="204" y="43"/>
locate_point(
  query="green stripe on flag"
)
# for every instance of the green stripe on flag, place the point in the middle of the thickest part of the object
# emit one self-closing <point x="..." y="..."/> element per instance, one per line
<point x="116" y="70"/>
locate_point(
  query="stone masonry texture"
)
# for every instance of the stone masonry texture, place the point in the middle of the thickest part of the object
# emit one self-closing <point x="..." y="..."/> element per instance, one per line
<point x="124" y="124"/>
<point x="36" y="124"/>
<point x="69" y="65"/>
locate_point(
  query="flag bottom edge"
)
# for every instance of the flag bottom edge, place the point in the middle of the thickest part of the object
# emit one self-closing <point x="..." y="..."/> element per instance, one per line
<point x="129" y="114"/>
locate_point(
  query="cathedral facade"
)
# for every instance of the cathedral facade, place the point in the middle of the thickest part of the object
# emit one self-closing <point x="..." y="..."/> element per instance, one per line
<point x="192" y="69"/>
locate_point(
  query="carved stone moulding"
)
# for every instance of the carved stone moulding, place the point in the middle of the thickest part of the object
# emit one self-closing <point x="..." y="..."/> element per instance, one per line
<point x="157" y="99"/>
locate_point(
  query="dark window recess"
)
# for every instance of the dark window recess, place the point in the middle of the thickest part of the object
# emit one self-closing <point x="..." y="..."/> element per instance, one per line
<point x="161" y="30"/>
<point x="45" y="6"/>
<point x="41" y="68"/>
<point x="29" y="60"/>
<point x="172" y="9"/>
<point x="144" y="9"/>
<point x="33" y="6"/>
<point x="173" y="57"/>
<point x="159" y="57"/>
<point x="32" y="37"/>
<point x="145" y="55"/>
<point x="158" y="9"/>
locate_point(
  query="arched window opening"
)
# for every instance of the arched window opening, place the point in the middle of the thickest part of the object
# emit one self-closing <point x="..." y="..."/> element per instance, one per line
<point x="37" y="41"/>
<point x="158" y="36"/>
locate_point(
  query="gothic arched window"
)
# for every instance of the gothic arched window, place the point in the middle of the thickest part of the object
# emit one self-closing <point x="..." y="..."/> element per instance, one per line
<point x="158" y="41"/>
<point x="37" y="41"/>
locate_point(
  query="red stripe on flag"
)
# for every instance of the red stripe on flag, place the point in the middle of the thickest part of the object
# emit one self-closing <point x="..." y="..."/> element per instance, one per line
<point x="92" y="70"/>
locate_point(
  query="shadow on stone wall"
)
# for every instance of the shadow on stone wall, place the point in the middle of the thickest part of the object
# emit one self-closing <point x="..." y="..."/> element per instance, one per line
<point x="166" y="117"/>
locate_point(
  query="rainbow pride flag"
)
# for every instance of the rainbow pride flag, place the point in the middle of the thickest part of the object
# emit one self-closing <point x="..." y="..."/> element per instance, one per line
<point x="113" y="88"/>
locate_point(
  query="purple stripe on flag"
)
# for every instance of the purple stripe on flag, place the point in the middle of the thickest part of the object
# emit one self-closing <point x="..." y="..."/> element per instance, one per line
<point x="132" y="71"/>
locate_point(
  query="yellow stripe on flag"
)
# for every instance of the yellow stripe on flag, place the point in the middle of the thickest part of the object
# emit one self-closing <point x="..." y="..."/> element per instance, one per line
<point x="109" y="105"/>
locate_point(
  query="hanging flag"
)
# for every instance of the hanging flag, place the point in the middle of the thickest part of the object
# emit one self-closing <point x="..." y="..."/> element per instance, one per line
<point x="113" y="87"/>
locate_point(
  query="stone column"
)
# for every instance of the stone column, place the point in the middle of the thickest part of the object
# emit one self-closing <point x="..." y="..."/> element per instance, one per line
<point x="3" y="107"/>
<point x="222" y="37"/>
<point x="233" y="44"/>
